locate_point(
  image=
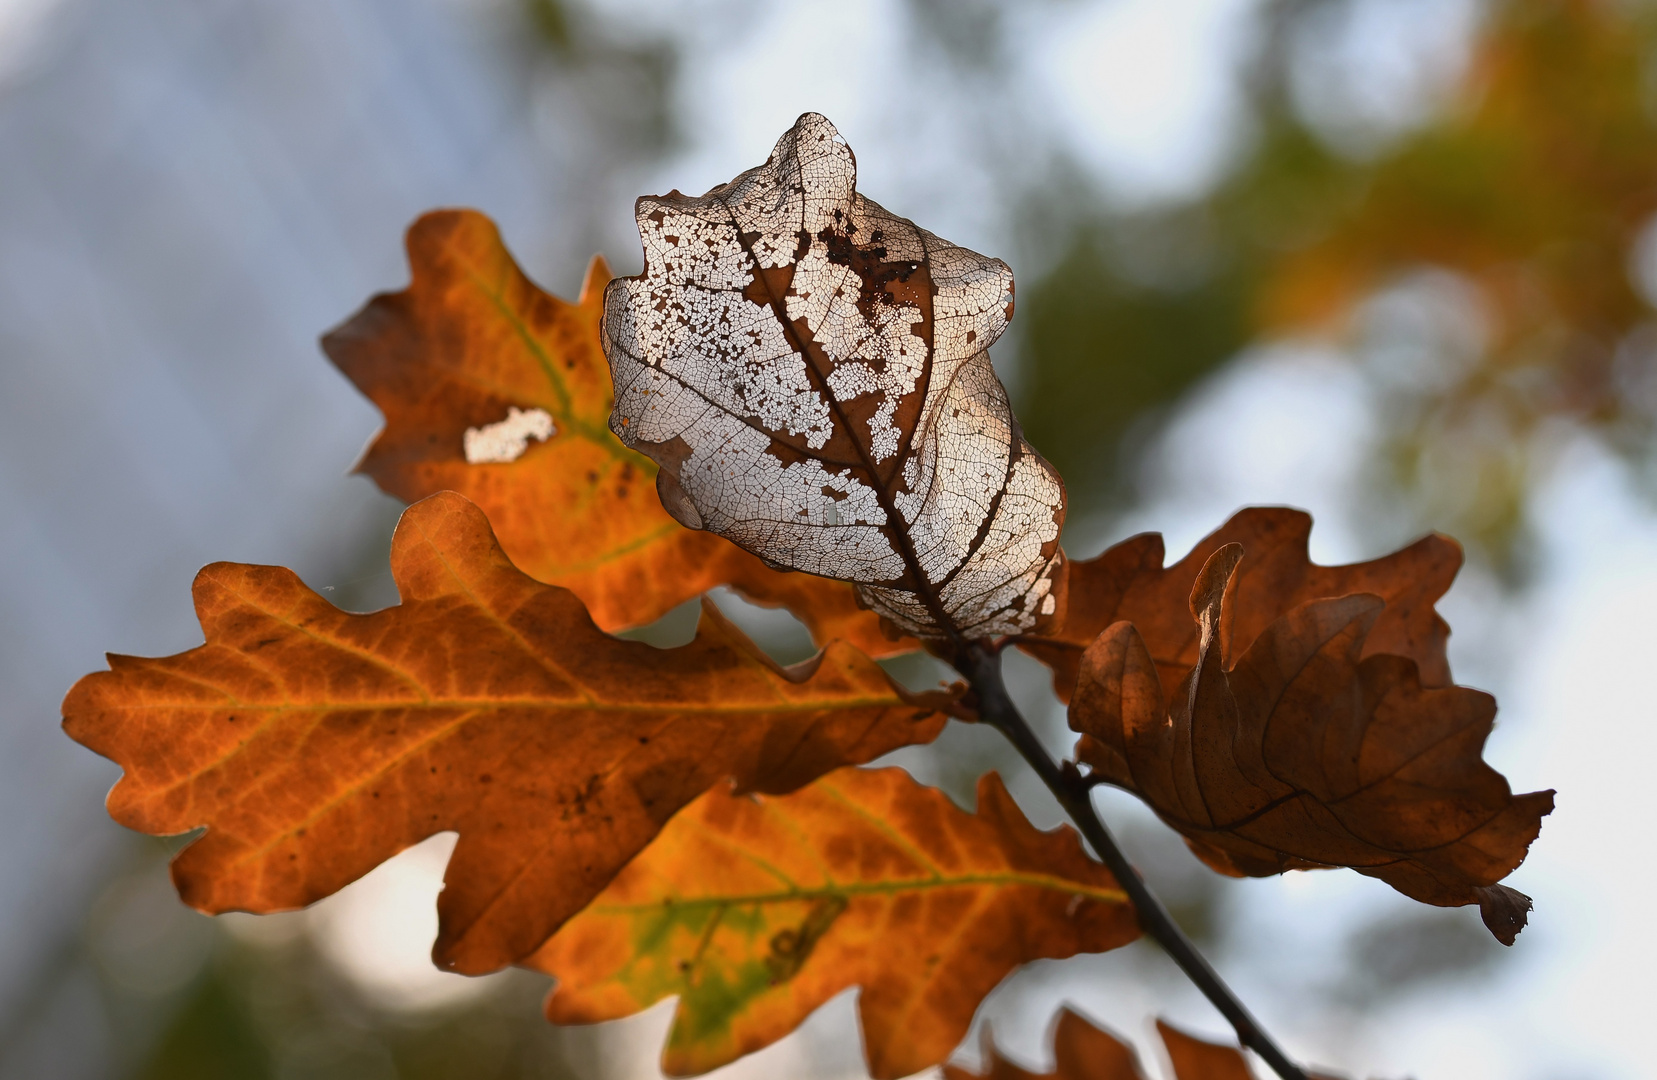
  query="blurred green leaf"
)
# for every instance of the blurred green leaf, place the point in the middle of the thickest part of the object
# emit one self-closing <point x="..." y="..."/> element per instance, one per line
<point x="209" y="1038"/>
<point x="1101" y="352"/>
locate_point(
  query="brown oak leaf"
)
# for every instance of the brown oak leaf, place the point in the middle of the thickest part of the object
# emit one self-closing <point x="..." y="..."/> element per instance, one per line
<point x="812" y="374"/>
<point x="1197" y="1059"/>
<point x="493" y="388"/>
<point x="1308" y="750"/>
<point x="755" y="911"/>
<point x="1082" y="1051"/>
<point x="1128" y="583"/>
<point x="313" y="744"/>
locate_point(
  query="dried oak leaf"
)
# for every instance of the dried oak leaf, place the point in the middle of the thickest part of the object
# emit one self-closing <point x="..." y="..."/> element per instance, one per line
<point x="313" y="744"/>
<point x="756" y="911"/>
<point x="1128" y="583"/>
<point x="1082" y="1051"/>
<point x="812" y="375"/>
<point x="1310" y="751"/>
<point x="493" y="388"/>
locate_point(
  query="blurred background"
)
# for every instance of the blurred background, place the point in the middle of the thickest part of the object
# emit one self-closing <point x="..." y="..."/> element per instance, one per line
<point x="1393" y="261"/>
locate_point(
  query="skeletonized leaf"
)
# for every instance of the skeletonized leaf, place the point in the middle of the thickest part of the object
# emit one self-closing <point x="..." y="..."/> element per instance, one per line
<point x="755" y="911"/>
<point x="497" y="390"/>
<point x="812" y="375"/>
<point x="1128" y="583"/>
<point x="1309" y="751"/>
<point x="1082" y="1051"/>
<point x="314" y="744"/>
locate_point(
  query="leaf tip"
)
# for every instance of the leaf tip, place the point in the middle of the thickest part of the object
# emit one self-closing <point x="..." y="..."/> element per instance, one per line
<point x="995" y="801"/>
<point x="593" y="282"/>
<point x="1208" y="591"/>
<point x="1082" y="1048"/>
<point x="1199" y="1059"/>
<point x="1505" y="911"/>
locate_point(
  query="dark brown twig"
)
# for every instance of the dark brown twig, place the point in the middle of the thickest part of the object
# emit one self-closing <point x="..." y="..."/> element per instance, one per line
<point x="982" y="667"/>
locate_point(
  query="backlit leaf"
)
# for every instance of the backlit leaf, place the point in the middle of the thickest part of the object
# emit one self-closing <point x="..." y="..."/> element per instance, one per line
<point x="1082" y="1051"/>
<point x="313" y="744"/>
<point x="1198" y="1059"/>
<point x="1129" y="583"/>
<point x="812" y="374"/>
<point x="754" y="911"/>
<point x="497" y="390"/>
<point x="1307" y="750"/>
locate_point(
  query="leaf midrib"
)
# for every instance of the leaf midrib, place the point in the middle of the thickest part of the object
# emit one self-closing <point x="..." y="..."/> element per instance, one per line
<point x="898" y="533"/>
<point x="876" y="888"/>
<point x="561" y="704"/>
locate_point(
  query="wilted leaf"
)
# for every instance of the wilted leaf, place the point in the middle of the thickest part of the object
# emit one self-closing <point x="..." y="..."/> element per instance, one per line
<point x="1309" y="751"/>
<point x="497" y="390"/>
<point x="755" y="911"/>
<point x="1084" y="1052"/>
<point x="313" y="744"/>
<point x="812" y="374"/>
<point x="1128" y="583"/>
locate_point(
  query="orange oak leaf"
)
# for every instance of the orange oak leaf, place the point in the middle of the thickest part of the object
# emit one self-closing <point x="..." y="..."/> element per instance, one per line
<point x="1128" y="583"/>
<point x="1082" y="1051"/>
<point x="496" y="389"/>
<point x="812" y="374"/>
<point x="755" y="911"/>
<point x="1308" y="750"/>
<point x="313" y="744"/>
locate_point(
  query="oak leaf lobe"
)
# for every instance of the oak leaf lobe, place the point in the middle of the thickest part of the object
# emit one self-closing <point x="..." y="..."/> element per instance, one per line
<point x="812" y="375"/>
<point x="314" y="744"/>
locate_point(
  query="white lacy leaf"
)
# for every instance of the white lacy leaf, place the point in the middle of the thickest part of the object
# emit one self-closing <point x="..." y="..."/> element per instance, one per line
<point x="812" y="374"/>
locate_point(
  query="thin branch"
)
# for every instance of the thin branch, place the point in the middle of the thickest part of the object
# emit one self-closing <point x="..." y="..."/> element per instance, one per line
<point x="982" y="667"/>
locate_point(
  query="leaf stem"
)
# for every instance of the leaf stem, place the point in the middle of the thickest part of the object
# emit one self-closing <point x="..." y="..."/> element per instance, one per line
<point x="982" y="667"/>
